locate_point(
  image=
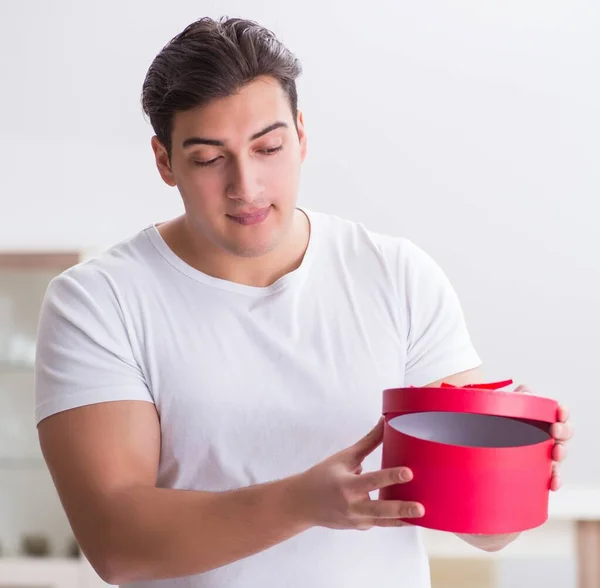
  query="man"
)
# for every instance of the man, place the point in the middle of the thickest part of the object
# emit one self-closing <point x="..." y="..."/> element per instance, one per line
<point x="203" y="388"/>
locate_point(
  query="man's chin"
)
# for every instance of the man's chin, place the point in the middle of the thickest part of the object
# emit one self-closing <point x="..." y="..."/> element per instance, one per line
<point x="257" y="241"/>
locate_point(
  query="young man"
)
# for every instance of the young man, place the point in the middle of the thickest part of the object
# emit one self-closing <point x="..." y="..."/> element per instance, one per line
<point x="203" y="388"/>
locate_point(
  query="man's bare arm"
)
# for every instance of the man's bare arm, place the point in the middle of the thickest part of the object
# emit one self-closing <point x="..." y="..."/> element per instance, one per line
<point x="104" y="461"/>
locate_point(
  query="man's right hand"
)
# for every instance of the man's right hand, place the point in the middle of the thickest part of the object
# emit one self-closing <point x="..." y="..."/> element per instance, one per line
<point x="335" y="492"/>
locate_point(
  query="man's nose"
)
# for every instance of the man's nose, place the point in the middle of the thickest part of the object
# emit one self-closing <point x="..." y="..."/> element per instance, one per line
<point x="244" y="183"/>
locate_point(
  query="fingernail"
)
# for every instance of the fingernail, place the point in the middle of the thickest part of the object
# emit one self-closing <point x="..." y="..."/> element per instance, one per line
<point x="416" y="511"/>
<point x="405" y="475"/>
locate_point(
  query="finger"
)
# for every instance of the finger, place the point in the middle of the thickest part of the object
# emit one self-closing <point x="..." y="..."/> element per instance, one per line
<point x="559" y="452"/>
<point x="390" y="523"/>
<point x="555" y="481"/>
<point x="388" y="509"/>
<point x="563" y="414"/>
<point x="382" y="478"/>
<point x="562" y="431"/>
<point x="523" y="389"/>
<point x="367" y="444"/>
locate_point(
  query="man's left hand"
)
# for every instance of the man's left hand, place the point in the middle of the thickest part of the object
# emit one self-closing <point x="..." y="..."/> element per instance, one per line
<point x="561" y="432"/>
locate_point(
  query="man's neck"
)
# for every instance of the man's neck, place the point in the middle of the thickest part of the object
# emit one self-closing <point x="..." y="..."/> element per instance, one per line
<point x="259" y="271"/>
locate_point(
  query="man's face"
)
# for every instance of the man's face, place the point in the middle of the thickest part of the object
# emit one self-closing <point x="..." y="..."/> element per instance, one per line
<point x="236" y="162"/>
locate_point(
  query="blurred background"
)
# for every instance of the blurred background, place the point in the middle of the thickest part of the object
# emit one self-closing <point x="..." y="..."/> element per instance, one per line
<point x="470" y="127"/>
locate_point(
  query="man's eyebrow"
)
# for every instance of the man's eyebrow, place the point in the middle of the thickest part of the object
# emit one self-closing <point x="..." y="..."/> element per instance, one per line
<point x="190" y="141"/>
<point x="275" y="125"/>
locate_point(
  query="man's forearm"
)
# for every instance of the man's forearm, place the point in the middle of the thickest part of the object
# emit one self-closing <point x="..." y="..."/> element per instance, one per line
<point x="489" y="543"/>
<point x="150" y="533"/>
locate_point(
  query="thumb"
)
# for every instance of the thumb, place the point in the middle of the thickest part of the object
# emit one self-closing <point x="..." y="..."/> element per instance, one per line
<point x="367" y="444"/>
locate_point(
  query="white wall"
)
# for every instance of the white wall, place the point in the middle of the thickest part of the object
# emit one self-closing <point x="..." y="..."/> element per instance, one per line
<point x="470" y="127"/>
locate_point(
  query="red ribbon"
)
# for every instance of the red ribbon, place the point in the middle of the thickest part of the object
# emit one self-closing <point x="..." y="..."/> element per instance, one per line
<point x="488" y="386"/>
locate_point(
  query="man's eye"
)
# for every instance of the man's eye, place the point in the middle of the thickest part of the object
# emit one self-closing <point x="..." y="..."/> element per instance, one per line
<point x="272" y="150"/>
<point x="207" y="163"/>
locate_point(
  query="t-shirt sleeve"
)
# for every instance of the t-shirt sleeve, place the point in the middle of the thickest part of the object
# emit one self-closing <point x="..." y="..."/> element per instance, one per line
<point x="438" y="341"/>
<point x="83" y="351"/>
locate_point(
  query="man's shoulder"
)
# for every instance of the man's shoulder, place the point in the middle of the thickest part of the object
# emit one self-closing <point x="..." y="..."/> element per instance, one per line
<point x="126" y="262"/>
<point x="367" y="252"/>
<point x="354" y="237"/>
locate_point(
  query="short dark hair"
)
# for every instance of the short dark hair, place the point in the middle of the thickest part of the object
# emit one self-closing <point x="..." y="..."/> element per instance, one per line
<point x="213" y="59"/>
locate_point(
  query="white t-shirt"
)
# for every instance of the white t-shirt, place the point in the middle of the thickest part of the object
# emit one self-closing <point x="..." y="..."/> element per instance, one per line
<point x="254" y="384"/>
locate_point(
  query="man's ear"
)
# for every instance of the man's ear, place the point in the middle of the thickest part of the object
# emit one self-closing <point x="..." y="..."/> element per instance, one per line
<point x="162" y="162"/>
<point x="302" y="136"/>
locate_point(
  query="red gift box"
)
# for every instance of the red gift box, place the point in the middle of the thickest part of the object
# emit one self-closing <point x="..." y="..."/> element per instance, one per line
<point x="480" y="456"/>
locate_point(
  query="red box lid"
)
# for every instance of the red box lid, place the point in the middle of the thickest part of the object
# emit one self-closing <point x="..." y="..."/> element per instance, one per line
<point x="480" y="399"/>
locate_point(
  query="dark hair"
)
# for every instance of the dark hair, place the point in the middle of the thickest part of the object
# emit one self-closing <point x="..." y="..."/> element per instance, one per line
<point x="213" y="59"/>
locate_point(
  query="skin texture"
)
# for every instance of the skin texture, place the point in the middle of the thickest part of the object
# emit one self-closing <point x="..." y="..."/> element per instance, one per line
<point x="217" y="182"/>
